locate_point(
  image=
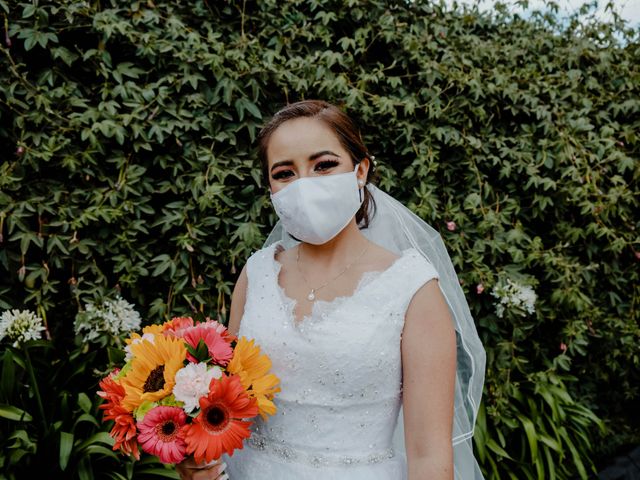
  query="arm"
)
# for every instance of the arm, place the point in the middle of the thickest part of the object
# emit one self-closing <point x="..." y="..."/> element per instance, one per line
<point x="429" y="366"/>
<point x="238" y="298"/>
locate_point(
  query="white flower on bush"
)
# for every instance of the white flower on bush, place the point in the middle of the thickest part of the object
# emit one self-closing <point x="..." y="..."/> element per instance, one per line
<point x="20" y="326"/>
<point x="112" y="317"/>
<point x="514" y="297"/>
<point x="192" y="382"/>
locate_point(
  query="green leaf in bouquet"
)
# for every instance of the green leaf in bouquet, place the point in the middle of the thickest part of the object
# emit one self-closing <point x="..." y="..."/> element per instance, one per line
<point x="143" y="408"/>
<point x="170" y="401"/>
<point x="201" y="352"/>
<point x="123" y="371"/>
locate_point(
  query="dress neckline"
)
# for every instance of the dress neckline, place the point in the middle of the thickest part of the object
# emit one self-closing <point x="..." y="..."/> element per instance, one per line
<point x="366" y="278"/>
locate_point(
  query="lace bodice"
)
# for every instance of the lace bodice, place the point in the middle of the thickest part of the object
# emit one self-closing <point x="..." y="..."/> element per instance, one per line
<point x="340" y="370"/>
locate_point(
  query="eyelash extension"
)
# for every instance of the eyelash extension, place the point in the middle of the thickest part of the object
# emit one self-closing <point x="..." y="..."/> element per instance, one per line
<point x="323" y="165"/>
<point x="326" y="164"/>
<point x="281" y="174"/>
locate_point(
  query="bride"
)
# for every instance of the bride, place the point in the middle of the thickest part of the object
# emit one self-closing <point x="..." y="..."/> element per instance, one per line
<point x="356" y="302"/>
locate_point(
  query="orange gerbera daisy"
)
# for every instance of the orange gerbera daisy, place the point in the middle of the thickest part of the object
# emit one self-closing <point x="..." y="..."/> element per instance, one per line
<point x="153" y="370"/>
<point x="124" y="428"/>
<point x="252" y="368"/>
<point x="124" y="432"/>
<point x="219" y="428"/>
<point x="112" y="392"/>
<point x="176" y="326"/>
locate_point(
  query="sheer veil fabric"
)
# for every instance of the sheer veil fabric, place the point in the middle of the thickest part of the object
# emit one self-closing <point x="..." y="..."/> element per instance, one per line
<point x="394" y="227"/>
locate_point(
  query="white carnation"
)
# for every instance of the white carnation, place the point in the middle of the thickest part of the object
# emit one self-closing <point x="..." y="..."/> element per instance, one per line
<point x="192" y="382"/>
<point x="112" y="317"/>
<point x="515" y="297"/>
<point x="20" y="326"/>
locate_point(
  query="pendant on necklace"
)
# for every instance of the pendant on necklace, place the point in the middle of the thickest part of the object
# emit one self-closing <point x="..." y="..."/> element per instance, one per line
<point x="312" y="296"/>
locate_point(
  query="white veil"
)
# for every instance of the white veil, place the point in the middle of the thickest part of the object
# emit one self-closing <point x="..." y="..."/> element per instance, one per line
<point x="394" y="227"/>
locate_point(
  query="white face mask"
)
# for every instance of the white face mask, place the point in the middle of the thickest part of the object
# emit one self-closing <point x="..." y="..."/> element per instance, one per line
<point x="316" y="209"/>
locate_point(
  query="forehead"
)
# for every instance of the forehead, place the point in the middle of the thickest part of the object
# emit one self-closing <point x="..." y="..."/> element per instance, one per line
<point x="302" y="137"/>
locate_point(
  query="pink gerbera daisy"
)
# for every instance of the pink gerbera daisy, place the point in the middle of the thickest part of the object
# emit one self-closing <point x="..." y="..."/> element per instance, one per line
<point x="214" y="336"/>
<point x="221" y="329"/>
<point x="162" y="433"/>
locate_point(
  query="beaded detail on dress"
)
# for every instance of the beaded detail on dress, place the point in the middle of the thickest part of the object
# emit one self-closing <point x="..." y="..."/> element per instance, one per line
<point x="340" y="371"/>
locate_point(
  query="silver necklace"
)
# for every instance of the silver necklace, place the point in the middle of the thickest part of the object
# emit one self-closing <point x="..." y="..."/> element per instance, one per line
<point x="311" y="296"/>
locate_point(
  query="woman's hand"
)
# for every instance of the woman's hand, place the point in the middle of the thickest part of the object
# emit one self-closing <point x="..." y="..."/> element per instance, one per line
<point x="190" y="470"/>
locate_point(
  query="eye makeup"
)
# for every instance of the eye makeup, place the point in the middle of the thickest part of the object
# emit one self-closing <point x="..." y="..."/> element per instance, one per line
<point x="326" y="165"/>
<point x="320" y="166"/>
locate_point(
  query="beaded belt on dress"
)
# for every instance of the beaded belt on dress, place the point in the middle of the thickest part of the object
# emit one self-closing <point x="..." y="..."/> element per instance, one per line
<point x="290" y="454"/>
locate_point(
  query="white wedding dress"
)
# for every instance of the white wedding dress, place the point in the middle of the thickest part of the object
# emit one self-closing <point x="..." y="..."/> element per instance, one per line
<point x="340" y="371"/>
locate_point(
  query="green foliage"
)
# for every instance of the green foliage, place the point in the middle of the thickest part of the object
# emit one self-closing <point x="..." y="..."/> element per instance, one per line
<point x="50" y="418"/>
<point x="201" y="352"/>
<point x="555" y="427"/>
<point x="133" y="124"/>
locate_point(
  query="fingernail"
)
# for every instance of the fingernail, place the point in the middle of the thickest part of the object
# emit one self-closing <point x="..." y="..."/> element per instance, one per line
<point x="224" y="477"/>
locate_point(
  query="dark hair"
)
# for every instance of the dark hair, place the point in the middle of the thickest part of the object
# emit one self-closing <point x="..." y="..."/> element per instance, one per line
<point x="343" y="126"/>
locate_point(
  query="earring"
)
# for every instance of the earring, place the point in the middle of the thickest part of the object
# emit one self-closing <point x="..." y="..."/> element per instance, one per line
<point x="361" y="182"/>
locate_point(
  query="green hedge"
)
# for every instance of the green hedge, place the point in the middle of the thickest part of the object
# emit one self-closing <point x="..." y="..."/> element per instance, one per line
<point x="128" y="164"/>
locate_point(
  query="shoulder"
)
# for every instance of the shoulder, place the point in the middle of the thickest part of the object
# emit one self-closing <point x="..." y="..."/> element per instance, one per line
<point x="420" y="264"/>
<point x="250" y="278"/>
<point x="264" y="255"/>
<point x="415" y="280"/>
<point x="428" y="299"/>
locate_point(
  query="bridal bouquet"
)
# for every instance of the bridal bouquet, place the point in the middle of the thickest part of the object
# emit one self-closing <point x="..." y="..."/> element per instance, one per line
<point x="187" y="388"/>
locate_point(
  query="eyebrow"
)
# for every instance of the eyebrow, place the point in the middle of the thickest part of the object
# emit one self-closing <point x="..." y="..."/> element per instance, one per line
<point x="312" y="157"/>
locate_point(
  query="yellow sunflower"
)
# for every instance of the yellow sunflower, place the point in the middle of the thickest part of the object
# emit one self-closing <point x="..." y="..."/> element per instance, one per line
<point x="153" y="370"/>
<point x="152" y="329"/>
<point x="252" y="368"/>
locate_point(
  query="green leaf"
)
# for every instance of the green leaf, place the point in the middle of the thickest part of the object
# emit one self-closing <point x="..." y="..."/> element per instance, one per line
<point x="159" y="472"/>
<point x="86" y="418"/>
<point x="116" y="355"/>
<point x="29" y="10"/>
<point x="530" y="431"/>
<point x="84" y="402"/>
<point x="14" y="413"/>
<point x="66" y="446"/>
<point x="494" y="447"/>
<point x="96" y="439"/>
<point x="8" y="374"/>
<point x="201" y="352"/>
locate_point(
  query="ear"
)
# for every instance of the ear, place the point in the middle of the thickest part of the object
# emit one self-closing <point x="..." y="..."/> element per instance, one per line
<point x="363" y="169"/>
